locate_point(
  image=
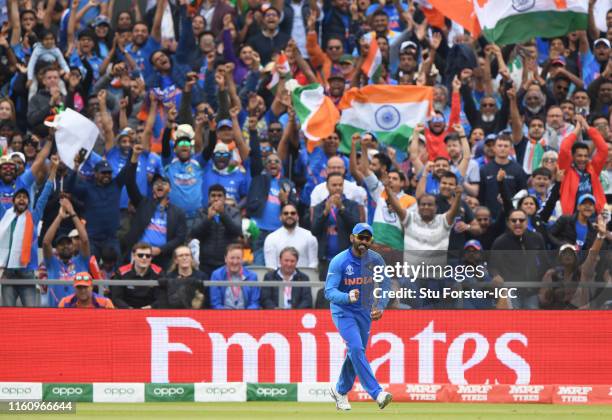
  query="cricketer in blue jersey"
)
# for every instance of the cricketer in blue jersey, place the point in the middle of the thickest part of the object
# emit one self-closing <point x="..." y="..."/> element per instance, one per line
<point x="350" y="289"/>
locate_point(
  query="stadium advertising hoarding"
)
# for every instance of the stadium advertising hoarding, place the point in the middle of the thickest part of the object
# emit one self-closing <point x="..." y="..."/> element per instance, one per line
<point x="406" y="347"/>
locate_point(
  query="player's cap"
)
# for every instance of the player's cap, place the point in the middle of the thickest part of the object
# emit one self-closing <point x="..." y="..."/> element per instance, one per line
<point x="362" y="227"/>
<point x="585" y="197"/>
<point x="82" y="279"/>
<point x="566" y="247"/>
<point x="601" y="41"/>
<point x="473" y="243"/>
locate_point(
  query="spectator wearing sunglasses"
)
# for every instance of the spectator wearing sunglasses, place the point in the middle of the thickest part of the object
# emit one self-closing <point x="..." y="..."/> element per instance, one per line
<point x="156" y="221"/>
<point x="221" y="169"/>
<point x="518" y="256"/>
<point x="291" y="235"/>
<point x="84" y="296"/>
<point x="141" y="268"/>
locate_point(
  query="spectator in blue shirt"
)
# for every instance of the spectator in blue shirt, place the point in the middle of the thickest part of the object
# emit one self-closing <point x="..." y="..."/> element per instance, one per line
<point x="219" y="170"/>
<point x="66" y="264"/>
<point x="144" y="44"/>
<point x="233" y="297"/>
<point x="19" y="240"/>
<point x="184" y="173"/>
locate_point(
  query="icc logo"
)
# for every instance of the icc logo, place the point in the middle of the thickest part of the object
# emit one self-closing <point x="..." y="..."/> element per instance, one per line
<point x="349" y="270"/>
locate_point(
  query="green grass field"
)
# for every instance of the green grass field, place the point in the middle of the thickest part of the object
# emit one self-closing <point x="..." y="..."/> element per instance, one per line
<point x="318" y="411"/>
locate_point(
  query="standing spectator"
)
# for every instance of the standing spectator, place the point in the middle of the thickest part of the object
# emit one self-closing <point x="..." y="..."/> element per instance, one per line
<point x="219" y="227"/>
<point x="19" y="240"/>
<point x="270" y="38"/>
<point x="182" y="287"/>
<point x="268" y="193"/>
<point x="515" y="178"/>
<point x="142" y="297"/>
<point x="143" y="44"/>
<point x="101" y="199"/>
<point x="69" y="260"/>
<point x="84" y="297"/>
<point x="41" y="104"/>
<point x="234" y="297"/>
<point x="517" y="256"/>
<point x="221" y="170"/>
<point x="292" y="297"/>
<point x="582" y="171"/>
<point x="290" y="234"/>
<point x="333" y="220"/>
<point x="184" y="173"/>
<point x="156" y="221"/>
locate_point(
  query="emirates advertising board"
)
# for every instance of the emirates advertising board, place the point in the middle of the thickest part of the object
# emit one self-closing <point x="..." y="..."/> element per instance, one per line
<point x="303" y="346"/>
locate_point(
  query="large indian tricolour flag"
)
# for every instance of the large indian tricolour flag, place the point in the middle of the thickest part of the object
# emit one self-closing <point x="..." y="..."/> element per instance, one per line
<point x="390" y="112"/>
<point x="513" y="21"/>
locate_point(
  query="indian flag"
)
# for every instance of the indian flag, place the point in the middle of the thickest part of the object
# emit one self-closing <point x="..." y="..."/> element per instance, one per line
<point x="514" y="21"/>
<point x="316" y="112"/>
<point x="390" y="112"/>
<point x="280" y="69"/>
<point x="372" y="65"/>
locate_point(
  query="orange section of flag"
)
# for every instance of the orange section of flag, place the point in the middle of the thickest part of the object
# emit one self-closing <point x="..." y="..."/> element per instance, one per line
<point x="384" y="94"/>
<point x="460" y="11"/>
<point x="434" y="17"/>
<point x="371" y="57"/>
<point x="322" y="123"/>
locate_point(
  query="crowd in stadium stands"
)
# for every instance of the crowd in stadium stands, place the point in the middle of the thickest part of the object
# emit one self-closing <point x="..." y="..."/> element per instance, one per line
<point x="201" y="170"/>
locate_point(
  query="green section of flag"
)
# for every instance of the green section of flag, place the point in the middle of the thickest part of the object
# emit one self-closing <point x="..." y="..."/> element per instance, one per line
<point x="398" y="138"/>
<point x="169" y="392"/>
<point x="68" y="392"/>
<point x="271" y="392"/>
<point x="522" y="27"/>
<point x="388" y="234"/>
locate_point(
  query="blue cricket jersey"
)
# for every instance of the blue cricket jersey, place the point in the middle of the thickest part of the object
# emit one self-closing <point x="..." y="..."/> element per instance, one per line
<point x="347" y="272"/>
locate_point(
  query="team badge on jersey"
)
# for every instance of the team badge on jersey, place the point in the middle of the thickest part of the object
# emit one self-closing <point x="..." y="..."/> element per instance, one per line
<point x="349" y="270"/>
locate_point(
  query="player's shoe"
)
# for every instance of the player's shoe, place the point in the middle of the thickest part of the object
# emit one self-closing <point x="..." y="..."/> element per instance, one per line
<point x="383" y="399"/>
<point x="341" y="400"/>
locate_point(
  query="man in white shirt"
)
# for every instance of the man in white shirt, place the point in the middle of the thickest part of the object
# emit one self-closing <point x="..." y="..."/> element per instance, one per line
<point x="350" y="190"/>
<point x="290" y="234"/>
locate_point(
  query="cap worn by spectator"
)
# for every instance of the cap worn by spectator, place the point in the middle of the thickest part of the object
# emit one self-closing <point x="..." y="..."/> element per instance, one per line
<point x="362" y="227"/>
<point x="6" y="160"/>
<point x="224" y="123"/>
<point x="126" y="132"/>
<point x="19" y="155"/>
<point x="87" y="33"/>
<point x="159" y="177"/>
<point x="473" y="244"/>
<point x="221" y="148"/>
<point x="184" y="131"/>
<point x="101" y="20"/>
<point x="560" y="61"/>
<point x="407" y="45"/>
<point x="346" y="58"/>
<point x="62" y="238"/>
<point x="565" y="247"/>
<point x="490" y="137"/>
<point x="82" y="279"/>
<point x="103" y="166"/>
<point x="73" y="234"/>
<point x="585" y="197"/>
<point x="600" y="41"/>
